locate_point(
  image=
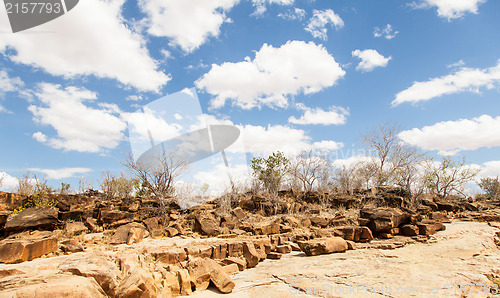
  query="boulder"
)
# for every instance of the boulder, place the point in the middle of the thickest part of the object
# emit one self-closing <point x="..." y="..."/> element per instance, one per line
<point x="129" y="233"/>
<point x="104" y="272"/>
<point x="231" y="269"/>
<point x="274" y="255"/>
<point x="153" y="227"/>
<point x="238" y="213"/>
<point x="384" y="219"/>
<point x="92" y="225"/>
<point x="74" y="228"/>
<point x="32" y="218"/>
<point x="242" y="263"/>
<point x="319" y="221"/>
<point x="220" y="278"/>
<point x="409" y="230"/>
<point x="112" y="216"/>
<point x="283" y="249"/>
<point x="21" y="250"/>
<point x="207" y="224"/>
<point x="199" y="270"/>
<point x="185" y="282"/>
<point x="323" y="246"/>
<point x="71" y="245"/>
<point x="251" y="255"/>
<point x="269" y="228"/>
<point x="54" y="286"/>
<point x="429" y="227"/>
<point x="168" y="256"/>
<point x="139" y="283"/>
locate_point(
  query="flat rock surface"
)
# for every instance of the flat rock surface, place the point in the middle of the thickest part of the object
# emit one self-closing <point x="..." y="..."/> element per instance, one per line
<point x="461" y="254"/>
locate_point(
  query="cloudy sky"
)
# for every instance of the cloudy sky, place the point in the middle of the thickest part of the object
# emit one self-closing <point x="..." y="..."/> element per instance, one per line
<point x="290" y="74"/>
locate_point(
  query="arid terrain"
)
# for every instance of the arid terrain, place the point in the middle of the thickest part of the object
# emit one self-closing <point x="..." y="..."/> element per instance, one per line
<point x="371" y="242"/>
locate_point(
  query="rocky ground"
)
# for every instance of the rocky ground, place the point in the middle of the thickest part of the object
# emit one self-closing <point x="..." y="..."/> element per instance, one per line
<point x="371" y="242"/>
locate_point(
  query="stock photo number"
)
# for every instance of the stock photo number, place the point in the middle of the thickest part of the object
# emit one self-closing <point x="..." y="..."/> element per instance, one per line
<point x="33" y="7"/>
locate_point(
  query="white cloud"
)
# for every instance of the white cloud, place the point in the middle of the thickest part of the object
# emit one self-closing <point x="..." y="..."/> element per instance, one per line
<point x="140" y="123"/>
<point x="320" y="20"/>
<point x="40" y="137"/>
<point x="465" y="79"/>
<point x="387" y="32"/>
<point x="262" y="140"/>
<point x="351" y="161"/>
<point x="61" y="173"/>
<point x="333" y="116"/>
<point x="188" y="23"/>
<point x="9" y="183"/>
<point x="78" y="127"/>
<point x="490" y="169"/>
<point x="327" y="145"/>
<point x="273" y="76"/>
<point x="261" y="5"/>
<point x="370" y="59"/>
<point x="217" y="177"/>
<point x="454" y="136"/>
<point x="89" y="40"/>
<point x="8" y="84"/>
<point x="295" y="14"/>
<point x="134" y="98"/>
<point x="451" y="9"/>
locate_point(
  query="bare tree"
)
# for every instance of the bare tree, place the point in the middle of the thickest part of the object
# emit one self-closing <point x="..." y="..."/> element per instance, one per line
<point x="346" y="178"/>
<point x="449" y="176"/>
<point x="310" y="169"/>
<point x="395" y="160"/>
<point x="158" y="172"/>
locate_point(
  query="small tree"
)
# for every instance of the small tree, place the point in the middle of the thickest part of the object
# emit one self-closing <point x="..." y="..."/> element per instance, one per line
<point x="270" y="171"/>
<point x="113" y="186"/>
<point x="64" y="188"/>
<point x="448" y="176"/>
<point x="395" y="160"/>
<point x="311" y="169"/>
<point x="26" y="185"/>
<point x="491" y="187"/>
<point x="158" y="173"/>
<point x="346" y="178"/>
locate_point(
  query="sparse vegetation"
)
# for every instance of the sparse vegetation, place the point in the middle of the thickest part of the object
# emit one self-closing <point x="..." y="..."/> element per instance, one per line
<point x="448" y="176"/>
<point x="158" y="173"/>
<point x="491" y="186"/>
<point x="113" y="186"/>
<point x="37" y="191"/>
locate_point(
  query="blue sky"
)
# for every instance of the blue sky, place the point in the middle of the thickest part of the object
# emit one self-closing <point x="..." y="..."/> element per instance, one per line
<point x="290" y="74"/>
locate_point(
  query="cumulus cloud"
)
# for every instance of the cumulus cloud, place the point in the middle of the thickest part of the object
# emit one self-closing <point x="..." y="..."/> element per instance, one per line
<point x="261" y="5"/>
<point x="370" y="59"/>
<point x="451" y="9"/>
<point x="333" y="116"/>
<point x="8" y="84"/>
<point x="465" y="79"/>
<point x="320" y="20"/>
<point x="273" y="76"/>
<point x="9" y="183"/>
<point x="61" y="173"/>
<point x="295" y="14"/>
<point x="490" y="169"/>
<point x="327" y="145"/>
<point x="78" y="127"/>
<point x="187" y="23"/>
<point x="387" y="32"/>
<point x="140" y="123"/>
<point x="451" y="137"/>
<point x="76" y="44"/>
